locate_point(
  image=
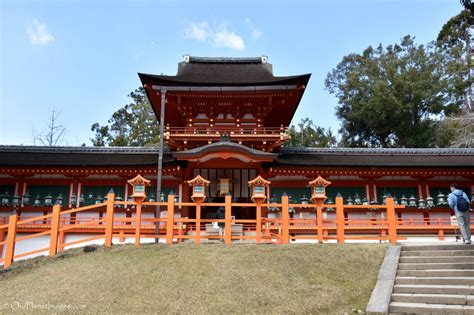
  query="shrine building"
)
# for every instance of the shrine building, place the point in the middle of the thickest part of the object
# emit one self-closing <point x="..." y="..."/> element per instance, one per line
<point x="226" y="119"/>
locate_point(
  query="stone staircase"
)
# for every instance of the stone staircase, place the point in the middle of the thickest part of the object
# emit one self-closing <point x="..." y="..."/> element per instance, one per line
<point x="434" y="279"/>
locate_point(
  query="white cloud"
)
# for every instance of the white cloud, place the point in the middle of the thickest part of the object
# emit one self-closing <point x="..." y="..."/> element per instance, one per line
<point x="200" y="31"/>
<point x="39" y="34"/>
<point x="226" y="38"/>
<point x="221" y="37"/>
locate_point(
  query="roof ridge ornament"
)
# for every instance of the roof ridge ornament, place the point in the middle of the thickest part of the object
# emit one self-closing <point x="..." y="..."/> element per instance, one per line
<point x="232" y="60"/>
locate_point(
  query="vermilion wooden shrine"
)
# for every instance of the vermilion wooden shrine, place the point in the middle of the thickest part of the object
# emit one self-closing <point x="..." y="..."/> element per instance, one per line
<point x="225" y="119"/>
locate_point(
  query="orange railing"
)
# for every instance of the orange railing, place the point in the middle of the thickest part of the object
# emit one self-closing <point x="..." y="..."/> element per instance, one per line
<point x="282" y="230"/>
<point x="217" y="130"/>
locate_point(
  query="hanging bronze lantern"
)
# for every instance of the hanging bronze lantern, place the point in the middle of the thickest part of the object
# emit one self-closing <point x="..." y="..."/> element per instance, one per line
<point x="412" y="201"/>
<point x="421" y="203"/>
<point x="430" y="202"/>
<point x="440" y="199"/>
<point x="350" y="202"/>
<point x="357" y="200"/>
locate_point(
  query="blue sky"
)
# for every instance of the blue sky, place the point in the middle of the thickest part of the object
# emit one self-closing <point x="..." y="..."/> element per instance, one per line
<point x="82" y="57"/>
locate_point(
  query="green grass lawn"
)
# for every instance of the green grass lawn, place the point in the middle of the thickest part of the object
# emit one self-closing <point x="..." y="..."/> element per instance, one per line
<point x="203" y="279"/>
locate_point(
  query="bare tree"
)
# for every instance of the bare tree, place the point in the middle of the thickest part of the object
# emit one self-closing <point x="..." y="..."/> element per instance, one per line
<point x="460" y="128"/>
<point x="54" y="135"/>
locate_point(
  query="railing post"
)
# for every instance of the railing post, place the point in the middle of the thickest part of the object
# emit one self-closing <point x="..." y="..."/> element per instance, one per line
<point x="391" y="220"/>
<point x="285" y="218"/>
<point x="441" y="234"/>
<point x="138" y="222"/>
<point x="198" y="223"/>
<point x="62" y="235"/>
<point x="2" y="238"/>
<point x="109" y="219"/>
<point x="319" y="220"/>
<point x="340" y="219"/>
<point x="228" y="222"/>
<point x="10" y="245"/>
<point x="53" y="237"/>
<point x="258" y="229"/>
<point x="169" y="220"/>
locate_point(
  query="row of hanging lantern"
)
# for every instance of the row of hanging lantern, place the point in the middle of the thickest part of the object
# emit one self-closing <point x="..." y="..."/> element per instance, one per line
<point x="410" y="202"/>
<point x="38" y="201"/>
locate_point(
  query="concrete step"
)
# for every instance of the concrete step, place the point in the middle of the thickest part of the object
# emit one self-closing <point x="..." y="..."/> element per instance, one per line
<point x="426" y="266"/>
<point x="435" y="280"/>
<point x="413" y="308"/>
<point x="459" y="252"/>
<point x="437" y="247"/>
<point x="437" y="259"/>
<point x="433" y="289"/>
<point x="436" y="273"/>
<point x="448" y="299"/>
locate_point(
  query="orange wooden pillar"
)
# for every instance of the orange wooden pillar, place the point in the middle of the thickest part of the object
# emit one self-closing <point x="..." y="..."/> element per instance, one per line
<point x="340" y="219"/>
<point x="3" y="234"/>
<point x="198" y="223"/>
<point x="11" y="238"/>
<point x="138" y="222"/>
<point x="109" y="220"/>
<point x="228" y="222"/>
<point x="62" y="236"/>
<point x="319" y="220"/>
<point x="391" y="220"/>
<point x="258" y="229"/>
<point x="53" y="237"/>
<point x="441" y="234"/>
<point x="170" y="220"/>
<point x="285" y="220"/>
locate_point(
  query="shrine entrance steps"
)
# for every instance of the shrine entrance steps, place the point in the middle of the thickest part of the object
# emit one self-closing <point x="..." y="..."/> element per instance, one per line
<point x="434" y="279"/>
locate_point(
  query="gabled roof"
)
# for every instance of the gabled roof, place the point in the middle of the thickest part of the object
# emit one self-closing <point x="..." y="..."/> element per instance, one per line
<point x="223" y="148"/>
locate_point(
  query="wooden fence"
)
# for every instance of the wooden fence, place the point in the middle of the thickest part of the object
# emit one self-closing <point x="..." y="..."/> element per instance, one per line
<point x="281" y="230"/>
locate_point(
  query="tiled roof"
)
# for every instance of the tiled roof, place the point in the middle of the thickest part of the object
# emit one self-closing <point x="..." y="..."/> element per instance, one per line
<point x="101" y="156"/>
<point x="424" y="157"/>
<point x="221" y="71"/>
<point x="79" y="156"/>
<point x="65" y="149"/>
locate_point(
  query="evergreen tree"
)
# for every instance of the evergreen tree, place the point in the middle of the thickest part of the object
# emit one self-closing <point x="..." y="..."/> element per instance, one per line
<point x="309" y="135"/>
<point x="135" y="124"/>
<point x="393" y="96"/>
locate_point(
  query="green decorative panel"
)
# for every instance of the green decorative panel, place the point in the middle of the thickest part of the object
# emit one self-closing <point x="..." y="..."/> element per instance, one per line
<point x="295" y="194"/>
<point x="434" y="191"/>
<point x="43" y="190"/>
<point x="151" y="191"/>
<point x="345" y="192"/>
<point x="91" y="193"/>
<point x="396" y="192"/>
<point x="7" y="189"/>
